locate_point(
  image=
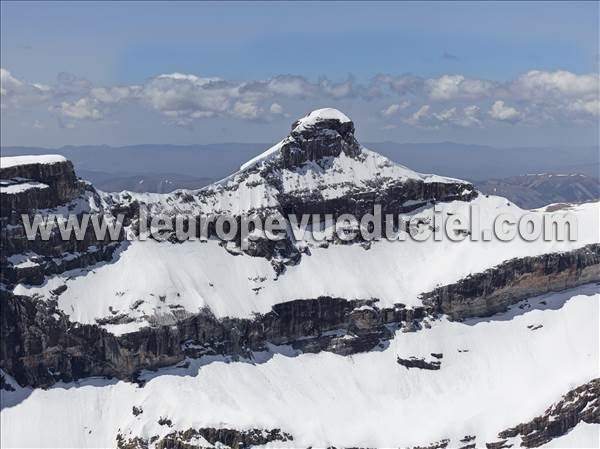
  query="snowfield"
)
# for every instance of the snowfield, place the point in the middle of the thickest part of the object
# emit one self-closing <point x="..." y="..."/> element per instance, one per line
<point x="194" y="274"/>
<point x="22" y="187"/>
<point x="495" y="373"/>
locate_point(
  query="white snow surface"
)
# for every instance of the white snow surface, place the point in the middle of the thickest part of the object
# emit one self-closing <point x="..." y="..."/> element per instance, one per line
<point x="194" y="274"/>
<point x="509" y="375"/>
<point x="583" y="436"/>
<point x="22" y="187"/>
<point x="319" y="115"/>
<point x="247" y="190"/>
<point x="11" y="161"/>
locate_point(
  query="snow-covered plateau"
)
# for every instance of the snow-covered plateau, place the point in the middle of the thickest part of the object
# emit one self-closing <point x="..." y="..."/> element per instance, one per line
<point x="297" y="343"/>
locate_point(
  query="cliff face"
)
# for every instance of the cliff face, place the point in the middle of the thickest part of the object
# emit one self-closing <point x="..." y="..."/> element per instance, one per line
<point x="38" y="339"/>
<point x="492" y="291"/>
<point x="40" y="345"/>
<point x="313" y="138"/>
<point x="394" y="198"/>
<point x="61" y="186"/>
<point x="47" y="187"/>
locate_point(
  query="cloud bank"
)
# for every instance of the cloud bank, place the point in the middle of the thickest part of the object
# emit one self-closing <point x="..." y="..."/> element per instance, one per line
<point x="534" y="97"/>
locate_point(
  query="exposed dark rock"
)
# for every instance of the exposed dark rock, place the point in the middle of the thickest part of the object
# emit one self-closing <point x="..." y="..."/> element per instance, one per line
<point x="4" y="385"/>
<point x="38" y="339"/>
<point x="323" y="138"/>
<point x="437" y="445"/>
<point x="581" y="404"/>
<point x="495" y="289"/>
<point x="216" y="437"/>
<point x="392" y="198"/>
<point x="53" y="255"/>
<point x="415" y="362"/>
<point x="59" y="290"/>
<point x="63" y="186"/>
<point x="165" y="422"/>
<point x="131" y="443"/>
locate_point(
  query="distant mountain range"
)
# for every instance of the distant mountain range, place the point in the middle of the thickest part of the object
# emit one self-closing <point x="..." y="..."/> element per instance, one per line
<point x="537" y="190"/>
<point x="477" y="162"/>
<point x="502" y="171"/>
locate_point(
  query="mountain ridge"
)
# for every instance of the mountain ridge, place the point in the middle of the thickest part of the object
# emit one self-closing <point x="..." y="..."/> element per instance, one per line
<point x="188" y="334"/>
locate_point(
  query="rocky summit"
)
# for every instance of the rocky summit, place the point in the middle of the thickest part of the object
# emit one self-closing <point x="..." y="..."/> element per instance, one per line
<point x="205" y="343"/>
<point x="322" y="133"/>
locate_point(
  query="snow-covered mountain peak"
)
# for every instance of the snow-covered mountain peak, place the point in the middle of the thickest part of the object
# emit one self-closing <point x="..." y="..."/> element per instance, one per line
<point x="319" y="162"/>
<point x="321" y="133"/>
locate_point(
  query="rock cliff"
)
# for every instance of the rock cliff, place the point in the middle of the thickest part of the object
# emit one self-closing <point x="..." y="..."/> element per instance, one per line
<point x="492" y="291"/>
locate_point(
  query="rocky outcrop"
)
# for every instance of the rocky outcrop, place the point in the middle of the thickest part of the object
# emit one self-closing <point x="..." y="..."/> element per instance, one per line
<point x="497" y="288"/>
<point x="39" y="345"/>
<point x="214" y="437"/>
<point x="30" y="260"/>
<point x="394" y="198"/>
<point x="420" y="363"/>
<point x="59" y="177"/>
<point x="323" y="137"/>
<point x="581" y="404"/>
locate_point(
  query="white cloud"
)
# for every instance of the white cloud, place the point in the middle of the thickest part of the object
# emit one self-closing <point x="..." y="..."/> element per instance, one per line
<point x="471" y="116"/>
<point x="246" y="110"/>
<point x="117" y="94"/>
<point x="340" y="90"/>
<point x="276" y="108"/>
<point x="399" y="84"/>
<point x="500" y="111"/>
<point x="540" y="85"/>
<point x="82" y="109"/>
<point x="591" y="106"/>
<point x="394" y="108"/>
<point x="446" y="116"/>
<point x="454" y="116"/>
<point x="420" y="117"/>
<point x="450" y="87"/>
<point x="15" y="93"/>
<point x="185" y="98"/>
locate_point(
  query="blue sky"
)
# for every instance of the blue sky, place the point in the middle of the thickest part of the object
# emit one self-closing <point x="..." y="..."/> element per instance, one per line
<point x="108" y="44"/>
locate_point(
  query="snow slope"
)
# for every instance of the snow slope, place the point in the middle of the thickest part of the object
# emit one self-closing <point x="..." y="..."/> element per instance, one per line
<point x="509" y="375"/>
<point x="195" y="275"/>
<point x="22" y="187"/>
